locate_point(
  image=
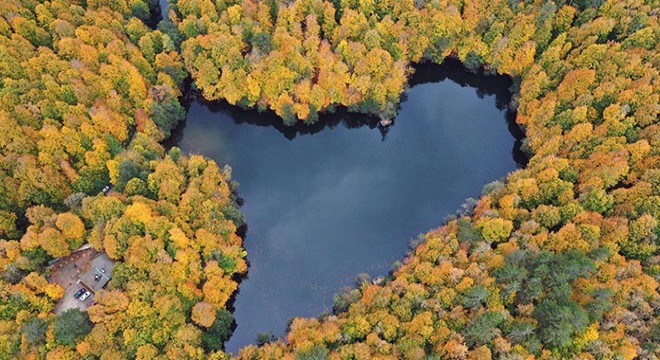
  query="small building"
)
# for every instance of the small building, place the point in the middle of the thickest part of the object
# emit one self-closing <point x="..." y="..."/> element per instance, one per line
<point x="98" y="274"/>
<point x="84" y="270"/>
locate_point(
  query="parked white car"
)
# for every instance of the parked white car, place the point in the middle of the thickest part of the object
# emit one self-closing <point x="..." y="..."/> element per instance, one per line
<point x="84" y="296"/>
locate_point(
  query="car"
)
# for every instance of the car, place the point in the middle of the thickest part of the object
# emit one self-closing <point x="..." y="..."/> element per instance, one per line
<point x="79" y="293"/>
<point x="85" y="295"/>
<point x="106" y="189"/>
<point x="97" y="277"/>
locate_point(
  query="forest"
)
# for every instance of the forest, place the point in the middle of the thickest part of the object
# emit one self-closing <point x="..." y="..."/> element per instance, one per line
<point x="558" y="260"/>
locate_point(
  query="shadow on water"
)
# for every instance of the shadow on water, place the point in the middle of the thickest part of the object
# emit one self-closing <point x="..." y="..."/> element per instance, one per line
<point x="451" y="69"/>
<point x="320" y="207"/>
<point x="323" y="209"/>
<point x="269" y="119"/>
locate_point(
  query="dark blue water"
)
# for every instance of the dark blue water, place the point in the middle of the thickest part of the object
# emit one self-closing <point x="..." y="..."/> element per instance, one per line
<point x="341" y="198"/>
<point x="164" y="5"/>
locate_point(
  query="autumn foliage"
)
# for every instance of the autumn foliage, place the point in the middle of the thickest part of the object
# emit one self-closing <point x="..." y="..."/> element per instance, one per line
<point x="88" y="92"/>
<point x="558" y="260"/>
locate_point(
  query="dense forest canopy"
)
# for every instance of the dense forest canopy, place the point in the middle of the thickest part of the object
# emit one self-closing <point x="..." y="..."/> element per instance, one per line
<point x="559" y="260"/>
<point x="87" y="93"/>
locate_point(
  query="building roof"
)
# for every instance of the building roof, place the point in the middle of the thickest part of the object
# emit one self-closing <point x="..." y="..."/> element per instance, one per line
<point x="98" y="274"/>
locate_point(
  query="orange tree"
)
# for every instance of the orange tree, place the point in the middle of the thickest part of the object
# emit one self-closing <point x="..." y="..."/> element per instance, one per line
<point x="558" y="260"/>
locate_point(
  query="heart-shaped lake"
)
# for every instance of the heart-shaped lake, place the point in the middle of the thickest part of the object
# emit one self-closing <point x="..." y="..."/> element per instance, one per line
<point x="323" y="206"/>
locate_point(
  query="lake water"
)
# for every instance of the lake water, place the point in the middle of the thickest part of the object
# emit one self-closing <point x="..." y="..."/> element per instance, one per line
<point x="164" y="6"/>
<point x="327" y="202"/>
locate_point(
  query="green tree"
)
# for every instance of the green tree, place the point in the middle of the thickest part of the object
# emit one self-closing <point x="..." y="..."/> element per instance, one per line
<point x="214" y="338"/>
<point x="315" y="353"/>
<point x="71" y="325"/>
<point x="483" y="329"/>
<point x="342" y="300"/>
<point x="475" y="296"/>
<point x="136" y="186"/>
<point x="559" y="321"/>
<point x="265" y="338"/>
<point x="167" y="114"/>
<point x="35" y="330"/>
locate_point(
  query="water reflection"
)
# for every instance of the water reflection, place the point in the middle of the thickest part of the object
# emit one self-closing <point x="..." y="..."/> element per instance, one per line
<point x="326" y="202"/>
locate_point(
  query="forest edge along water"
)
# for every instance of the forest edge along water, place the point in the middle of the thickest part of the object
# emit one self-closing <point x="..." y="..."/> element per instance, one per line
<point x="319" y="209"/>
<point x="257" y="305"/>
<point x="554" y="259"/>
